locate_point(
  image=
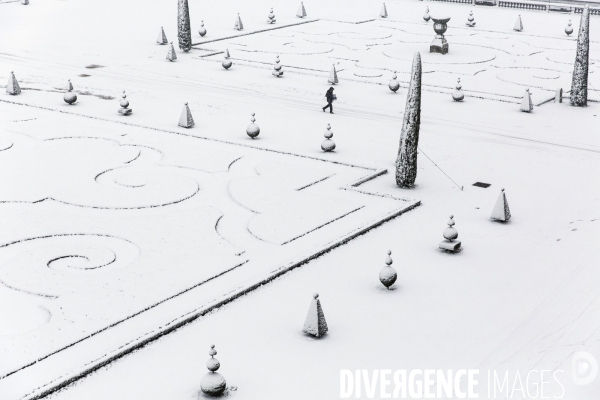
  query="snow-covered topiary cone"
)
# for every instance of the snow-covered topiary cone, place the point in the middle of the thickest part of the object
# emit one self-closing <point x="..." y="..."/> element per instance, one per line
<point x="558" y="95"/>
<point x="387" y="274"/>
<point x="202" y="30"/>
<point x="69" y="86"/>
<point x="277" y="69"/>
<point x="501" y="212"/>
<point x="394" y="85"/>
<point x="518" y="24"/>
<point x="12" y="87"/>
<point x="526" y="103"/>
<point x="426" y="16"/>
<point x="213" y="383"/>
<point x="569" y="28"/>
<point x="162" y="38"/>
<point x="328" y="144"/>
<point x="458" y="94"/>
<point x="406" y="161"/>
<point x="184" y="30"/>
<point x="333" y="78"/>
<point x="226" y="63"/>
<point x="383" y="13"/>
<point x="301" y="13"/>
<point x="252" y="130"/>
<point x="238" y="23"/>
<point x="271" y="17"/>
<point x="579" y="83"/>
<point x="315" y="323"/>
<point x="471" y="20"/>
<point x="185" y="119"/>
<point x="171" y="56"/>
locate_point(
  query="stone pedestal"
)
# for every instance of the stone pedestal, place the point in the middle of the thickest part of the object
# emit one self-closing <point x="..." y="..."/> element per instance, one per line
<point x="125" y="111"/>
<point x="453" y="246"/>
<point x="439" y="43"/>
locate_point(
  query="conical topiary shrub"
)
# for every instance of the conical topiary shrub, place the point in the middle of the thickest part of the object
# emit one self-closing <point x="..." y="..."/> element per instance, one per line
<point x="518" y="24"/>
<point x="238" y="23"/>
<point x="526" y="103"/>
<point x="12" y="86"/>
<point x="301" y="13"/>
<point x="184" y="30"/>
<point x="501" y="212"/>
<point x="333" y="78"/>
<point x="579" y="83"/>
<point x="383" y="13"/>
<point x="162" y="38"/>
<point x="171" y="56"/>
<point x="315" y="324"/>
<point x="406" y="162"/>
<point x="185" y="119"/>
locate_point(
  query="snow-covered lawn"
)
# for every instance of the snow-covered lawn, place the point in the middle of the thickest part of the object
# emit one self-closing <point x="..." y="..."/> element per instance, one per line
<point x="118" y="229"/>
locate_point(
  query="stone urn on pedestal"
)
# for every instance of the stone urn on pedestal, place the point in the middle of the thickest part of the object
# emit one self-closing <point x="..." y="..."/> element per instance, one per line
<point x="439" y="44"/>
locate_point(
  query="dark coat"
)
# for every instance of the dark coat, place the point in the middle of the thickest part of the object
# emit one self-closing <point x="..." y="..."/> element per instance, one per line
<point x="329" y="95"/>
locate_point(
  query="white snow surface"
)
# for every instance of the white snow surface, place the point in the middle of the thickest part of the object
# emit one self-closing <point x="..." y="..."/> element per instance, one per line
<point x="116" y="228"/>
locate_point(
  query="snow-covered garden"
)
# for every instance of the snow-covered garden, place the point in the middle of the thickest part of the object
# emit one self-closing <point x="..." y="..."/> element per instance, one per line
<point x="156" y="202"/>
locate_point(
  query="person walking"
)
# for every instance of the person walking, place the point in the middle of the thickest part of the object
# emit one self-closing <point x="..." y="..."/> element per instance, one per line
<point x="330" y="98"/>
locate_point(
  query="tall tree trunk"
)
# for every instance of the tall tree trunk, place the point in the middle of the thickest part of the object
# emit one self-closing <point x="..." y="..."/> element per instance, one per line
<point x="184" y="31"/>
<point x="580" y="70"/>
<point x="406" y="162"/>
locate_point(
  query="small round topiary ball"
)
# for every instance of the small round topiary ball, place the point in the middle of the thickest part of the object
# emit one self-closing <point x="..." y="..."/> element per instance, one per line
<point x="226" y="63"/>
<point x="213" y="384"/>
<point x="213" y="364"/>
<point x="70" y="98"/>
